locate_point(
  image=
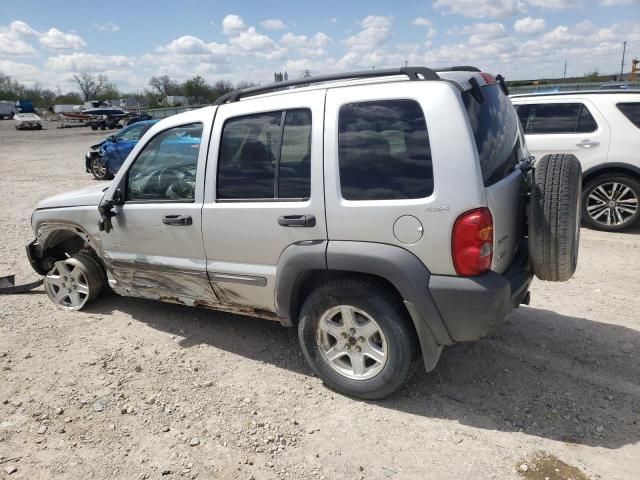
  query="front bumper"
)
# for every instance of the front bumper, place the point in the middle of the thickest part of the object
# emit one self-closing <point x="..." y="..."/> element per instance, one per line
<point x="471" y="307"/>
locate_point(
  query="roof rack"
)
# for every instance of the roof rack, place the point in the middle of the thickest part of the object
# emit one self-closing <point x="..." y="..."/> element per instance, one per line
<point x="414" y="73"/>
<point x="577" y="92"/>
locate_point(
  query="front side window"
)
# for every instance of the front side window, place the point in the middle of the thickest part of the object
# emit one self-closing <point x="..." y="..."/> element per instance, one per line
<point x="165" y="170"/>
<point x="266" y="156"/>
<point x="631" y="111"/>
<point x="556" y="118"/>
<point x="384" y="151"/>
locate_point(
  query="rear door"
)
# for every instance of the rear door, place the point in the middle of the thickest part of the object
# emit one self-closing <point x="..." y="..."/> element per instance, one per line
<point x="263" y="193"/>
<point x="557" y="125"/>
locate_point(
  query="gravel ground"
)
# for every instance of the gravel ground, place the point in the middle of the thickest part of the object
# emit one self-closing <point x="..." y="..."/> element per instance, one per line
<point x="138" y="389"/>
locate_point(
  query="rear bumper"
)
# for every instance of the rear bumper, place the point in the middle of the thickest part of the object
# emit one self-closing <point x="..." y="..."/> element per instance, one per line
<point x="471" y="307"/>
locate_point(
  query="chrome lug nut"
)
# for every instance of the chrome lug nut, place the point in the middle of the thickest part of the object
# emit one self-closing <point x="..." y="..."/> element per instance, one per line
<point x="344" y="334"/>
<point x="361" y="339"/>
<point x="358" y="349"/>
<point x="348" y="347"/>
<point x="352" y="330"/>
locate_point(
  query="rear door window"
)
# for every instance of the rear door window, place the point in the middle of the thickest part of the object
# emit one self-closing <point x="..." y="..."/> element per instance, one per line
<point x="541" y="118"/>
<point x="495" y="129"/>
<point x="266" y="156"/>
<point x="631" y="111"/>
<point x="384" y="151"/>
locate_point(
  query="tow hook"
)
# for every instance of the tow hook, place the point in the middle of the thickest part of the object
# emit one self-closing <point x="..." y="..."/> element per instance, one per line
<point x="8" y="285"/>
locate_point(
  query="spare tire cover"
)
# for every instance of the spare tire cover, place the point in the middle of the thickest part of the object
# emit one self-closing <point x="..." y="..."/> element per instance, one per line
<point x="554" y="217"/>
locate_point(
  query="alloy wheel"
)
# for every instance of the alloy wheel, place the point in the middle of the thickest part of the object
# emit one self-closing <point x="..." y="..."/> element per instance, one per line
<point x="351" y="342"/>
<point x="612" y="204"/>
<point x="99" y="167"/>
<point x="67" y="286"/>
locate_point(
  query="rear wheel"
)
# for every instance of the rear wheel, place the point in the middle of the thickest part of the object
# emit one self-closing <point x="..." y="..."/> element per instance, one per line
<point x="74" y="281"/>
<point x="554" y="217"/>
<point x="610" y="202"/>
<point x="358" y="338"/>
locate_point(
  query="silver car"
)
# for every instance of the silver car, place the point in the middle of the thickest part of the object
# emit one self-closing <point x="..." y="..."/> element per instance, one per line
<point x="385" y="214"/>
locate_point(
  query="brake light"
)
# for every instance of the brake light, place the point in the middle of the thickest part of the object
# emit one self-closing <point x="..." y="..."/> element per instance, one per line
<point x="488" y="78"/>
<point x="472" y="242"/>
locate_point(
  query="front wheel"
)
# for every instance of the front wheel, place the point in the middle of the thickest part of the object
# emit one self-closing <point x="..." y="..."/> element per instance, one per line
<point x="610" y="202"/>
<point x="358" y="338"/>
<point x="99" y="169"/>
<point x="74" y="281"/>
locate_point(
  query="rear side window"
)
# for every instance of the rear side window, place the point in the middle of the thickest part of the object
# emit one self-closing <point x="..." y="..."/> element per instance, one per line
<point x="556" y="118"/>
<point x="495" y="129"/>
<point x="631" y="111"/>
<point x="384" y="151"/>
<point x="266" y="156"/>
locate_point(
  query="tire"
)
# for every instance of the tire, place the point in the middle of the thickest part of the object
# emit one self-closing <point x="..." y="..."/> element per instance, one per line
<point x="75" y="281"/>
<point x="94" y="127"/>
<point x="391" y="338"/>
<point x="597" y="211"/>
<point x="554" y="217"/>
<point x="100" y="169"/>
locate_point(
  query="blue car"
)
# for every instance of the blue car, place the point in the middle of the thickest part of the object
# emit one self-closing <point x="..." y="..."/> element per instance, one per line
<point x="105" y="158"/>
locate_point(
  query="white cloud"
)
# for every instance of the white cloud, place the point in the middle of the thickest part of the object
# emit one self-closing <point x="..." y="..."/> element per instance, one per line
<point x="290" y="40"/>
<point x="91" y="62"/>
<point x="20" y="71"/>
<point x="274" y="24"/>
<point x="555" y="4"/>
<point x="189" y="45"/>
<point x="12" y="39"/>
<point x="425" y="22"/>
<point x="422" y="22"/>
<point x="613" y="3"/>
<point x="57" y="40"/>
<point x="480" y="32"/>
<point x="376" y="30"/>
<point x="107" y="27"/>
<point x="481" y="8"/>
<point x="233" y="25"/>
<point x="529" y="25"/>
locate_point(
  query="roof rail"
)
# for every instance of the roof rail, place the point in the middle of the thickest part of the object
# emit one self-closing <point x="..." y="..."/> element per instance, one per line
<point x="459" y="68"/>
<point x="414" y="73"/>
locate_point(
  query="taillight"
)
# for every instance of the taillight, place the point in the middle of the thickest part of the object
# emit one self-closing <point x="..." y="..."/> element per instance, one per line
<point x="472" y="242"/>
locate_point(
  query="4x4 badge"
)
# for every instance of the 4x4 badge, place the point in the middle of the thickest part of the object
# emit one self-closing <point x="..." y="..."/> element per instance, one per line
<point x="437" y="208"/>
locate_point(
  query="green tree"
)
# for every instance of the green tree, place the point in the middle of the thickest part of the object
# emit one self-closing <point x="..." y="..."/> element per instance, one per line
<point x="164" y="85"/>
<point x="196" y="87"/>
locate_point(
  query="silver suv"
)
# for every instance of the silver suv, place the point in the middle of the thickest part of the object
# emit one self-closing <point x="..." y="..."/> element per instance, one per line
<point x="383" y="213"/>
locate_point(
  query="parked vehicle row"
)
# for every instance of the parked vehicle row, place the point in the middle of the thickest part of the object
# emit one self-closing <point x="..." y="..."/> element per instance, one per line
<point x="602" y="129"/>
<point x="342" y="205"/>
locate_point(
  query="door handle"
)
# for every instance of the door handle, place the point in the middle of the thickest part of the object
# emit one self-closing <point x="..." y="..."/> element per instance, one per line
<point x="587" y="143"/>
<point x="180" y="220"/>
<point x="297" y="221"/>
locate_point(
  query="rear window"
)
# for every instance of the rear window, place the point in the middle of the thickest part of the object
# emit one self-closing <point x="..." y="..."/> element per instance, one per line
<point x="495" y="128"/>
<point x="631" y="111"/>
<point x="384" y="151"/>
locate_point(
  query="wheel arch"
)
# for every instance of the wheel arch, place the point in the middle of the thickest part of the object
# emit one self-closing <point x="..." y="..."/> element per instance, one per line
<point x="305" y="265"/>
<point x="611" y="168"/>
<point x="55" y="241"/>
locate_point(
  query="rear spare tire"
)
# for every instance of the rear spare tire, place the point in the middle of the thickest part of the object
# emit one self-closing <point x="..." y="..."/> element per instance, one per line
<point x="554" y="217"/>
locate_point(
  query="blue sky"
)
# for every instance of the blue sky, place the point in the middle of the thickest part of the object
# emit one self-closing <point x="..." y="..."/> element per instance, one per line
<point x="130" y="41"/>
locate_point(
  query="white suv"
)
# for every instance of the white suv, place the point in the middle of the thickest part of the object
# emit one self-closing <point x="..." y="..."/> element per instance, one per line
<point x="602" y="129"/>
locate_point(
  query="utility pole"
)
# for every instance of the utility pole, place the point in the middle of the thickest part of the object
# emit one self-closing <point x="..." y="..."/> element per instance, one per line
<point x="624" y="49"/>
<point x="564" y="74"/>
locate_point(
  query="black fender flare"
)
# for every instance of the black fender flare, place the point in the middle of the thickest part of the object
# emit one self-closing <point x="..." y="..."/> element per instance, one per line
<point x="400" y="267"/>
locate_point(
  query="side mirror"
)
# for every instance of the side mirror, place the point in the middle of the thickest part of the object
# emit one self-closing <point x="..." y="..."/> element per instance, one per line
<point x="113" y="138"/>
<point x="118" y="197"/>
